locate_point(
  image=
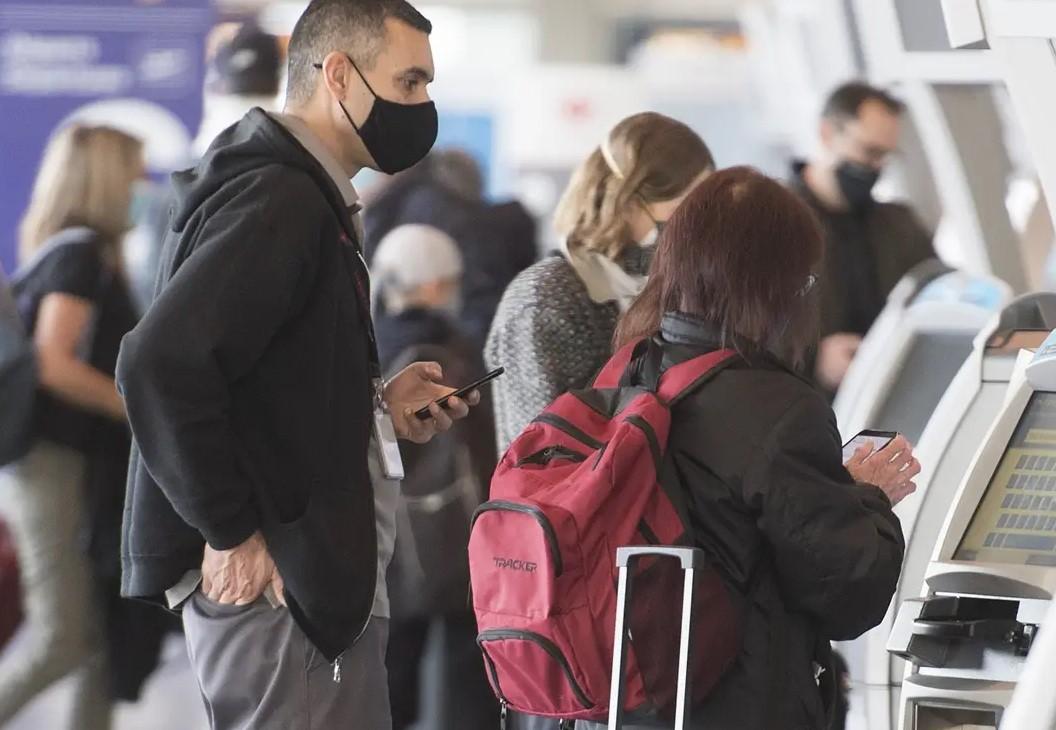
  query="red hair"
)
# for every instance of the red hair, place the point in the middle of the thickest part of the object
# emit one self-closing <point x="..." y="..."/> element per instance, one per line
<point x="740" y="253"/>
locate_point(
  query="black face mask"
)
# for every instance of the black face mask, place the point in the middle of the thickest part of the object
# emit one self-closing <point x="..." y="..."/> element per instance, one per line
<point x="397" y="136"/>
<point x="856" y="183"/>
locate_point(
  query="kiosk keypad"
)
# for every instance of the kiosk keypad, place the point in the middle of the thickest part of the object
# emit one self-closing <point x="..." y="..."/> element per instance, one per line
<point x="1016" y="520"/>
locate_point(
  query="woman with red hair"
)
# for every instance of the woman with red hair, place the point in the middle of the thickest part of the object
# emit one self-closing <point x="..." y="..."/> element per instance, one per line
<point x="810" y="549"/>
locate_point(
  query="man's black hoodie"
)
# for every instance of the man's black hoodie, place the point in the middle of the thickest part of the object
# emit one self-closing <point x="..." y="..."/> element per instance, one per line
<point x="248" y="386"/>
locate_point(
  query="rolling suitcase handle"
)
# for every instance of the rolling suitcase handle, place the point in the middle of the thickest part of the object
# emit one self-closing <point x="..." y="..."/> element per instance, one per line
<point x="690" y="559"/>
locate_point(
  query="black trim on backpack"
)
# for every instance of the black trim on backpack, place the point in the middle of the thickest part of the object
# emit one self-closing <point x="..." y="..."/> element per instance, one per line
<point x="564" y="426"/>
<point x="647" y="532"/>
<point x="645" y="368"/>
<point x="650" y="436"/>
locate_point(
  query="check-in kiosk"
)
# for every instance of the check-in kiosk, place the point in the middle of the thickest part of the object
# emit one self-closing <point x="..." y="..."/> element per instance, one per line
<point x="908" y="359"/>
<point x="1034" y="701"/>
<point x="949" y="442"/>
<point x="991" y="578"/>
<point x="872" y="349"/>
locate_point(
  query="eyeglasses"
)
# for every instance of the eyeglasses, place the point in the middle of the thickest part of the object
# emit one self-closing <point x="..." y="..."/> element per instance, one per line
<point x="812" y="279"/>
<point x="873" y="155"/>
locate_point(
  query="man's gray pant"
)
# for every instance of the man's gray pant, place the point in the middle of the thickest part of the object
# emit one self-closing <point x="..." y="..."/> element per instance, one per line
<point x="258" y="671"/>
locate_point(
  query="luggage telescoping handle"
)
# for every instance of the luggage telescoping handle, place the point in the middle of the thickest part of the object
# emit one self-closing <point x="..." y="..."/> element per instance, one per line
<point x="690" y="559"/>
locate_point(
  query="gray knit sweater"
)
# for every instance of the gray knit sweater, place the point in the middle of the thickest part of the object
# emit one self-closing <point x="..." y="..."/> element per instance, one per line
<point x="551" y="337"/>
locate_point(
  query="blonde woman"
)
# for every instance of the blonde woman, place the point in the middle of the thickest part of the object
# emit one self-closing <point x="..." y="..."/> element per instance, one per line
<point x="73" y="297"/>
<point x="555" y="324"/>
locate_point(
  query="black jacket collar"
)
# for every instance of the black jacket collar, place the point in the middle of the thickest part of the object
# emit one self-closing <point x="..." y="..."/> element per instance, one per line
<point x="684" y="335"/>
<point x="680" y="328"/>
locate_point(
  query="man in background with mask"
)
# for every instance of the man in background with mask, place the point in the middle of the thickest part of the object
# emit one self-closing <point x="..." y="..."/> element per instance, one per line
<point x="265" y="476"/>
<point x="869" y="245"/>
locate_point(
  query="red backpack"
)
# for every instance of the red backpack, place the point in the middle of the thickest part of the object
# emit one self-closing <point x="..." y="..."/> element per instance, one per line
<point x="582" y="480"/>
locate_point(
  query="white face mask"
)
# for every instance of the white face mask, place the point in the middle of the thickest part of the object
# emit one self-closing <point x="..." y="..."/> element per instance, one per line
<point x="652" y="236"/>
<point x="658" y="227"/>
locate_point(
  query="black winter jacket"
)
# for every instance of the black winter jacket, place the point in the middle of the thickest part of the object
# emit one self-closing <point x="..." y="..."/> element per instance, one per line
<point x="248" y="385"/>
<point x="813" y="555"/>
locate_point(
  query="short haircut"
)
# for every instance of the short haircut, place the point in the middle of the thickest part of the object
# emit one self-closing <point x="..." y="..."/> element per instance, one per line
<point x="356" y="27"/>
<point x="846" y="101"/>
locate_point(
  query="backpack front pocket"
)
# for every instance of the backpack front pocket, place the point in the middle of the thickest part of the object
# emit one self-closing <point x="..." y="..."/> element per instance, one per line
<point x="522" y="665"/>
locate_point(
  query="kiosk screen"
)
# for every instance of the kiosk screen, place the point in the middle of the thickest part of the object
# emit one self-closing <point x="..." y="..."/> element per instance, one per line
<point x="931" y="362"/>
<point x="1016" y="519"/>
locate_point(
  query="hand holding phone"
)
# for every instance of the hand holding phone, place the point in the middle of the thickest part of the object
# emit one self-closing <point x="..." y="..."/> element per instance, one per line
<point x="423" y="413"/>
<point x="890" y="465"/>
<point x="879" y="440"/>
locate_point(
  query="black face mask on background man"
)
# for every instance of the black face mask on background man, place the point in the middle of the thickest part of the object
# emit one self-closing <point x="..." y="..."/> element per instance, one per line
<point x="397" y="136"/>
<point x="856" y="182"/>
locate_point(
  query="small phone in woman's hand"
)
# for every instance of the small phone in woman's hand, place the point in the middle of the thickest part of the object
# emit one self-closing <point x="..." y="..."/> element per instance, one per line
<point x="879" y="440"/>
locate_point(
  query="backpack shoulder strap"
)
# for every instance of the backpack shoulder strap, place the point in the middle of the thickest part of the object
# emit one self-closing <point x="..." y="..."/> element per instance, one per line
<point x="611" y="375"/>
<point x="681" y="380"/>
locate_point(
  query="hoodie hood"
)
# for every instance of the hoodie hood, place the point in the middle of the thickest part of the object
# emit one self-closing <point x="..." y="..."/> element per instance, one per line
<point x="219" y="112"/>
<point x="254" y="142"/>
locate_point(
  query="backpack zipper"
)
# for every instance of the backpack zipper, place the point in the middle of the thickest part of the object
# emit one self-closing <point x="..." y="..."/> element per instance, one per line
<point x="550" y="454"/>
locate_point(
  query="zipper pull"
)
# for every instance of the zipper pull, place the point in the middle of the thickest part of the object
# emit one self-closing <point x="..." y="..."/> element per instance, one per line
<point x="503" y="712"/>
<point x="337" y="669"/>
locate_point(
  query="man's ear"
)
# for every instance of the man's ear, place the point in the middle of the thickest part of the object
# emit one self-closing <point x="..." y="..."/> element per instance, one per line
<point x="335" y="74"/>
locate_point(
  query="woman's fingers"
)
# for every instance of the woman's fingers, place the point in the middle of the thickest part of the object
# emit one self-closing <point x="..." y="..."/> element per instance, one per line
<point x="911" y="470"/>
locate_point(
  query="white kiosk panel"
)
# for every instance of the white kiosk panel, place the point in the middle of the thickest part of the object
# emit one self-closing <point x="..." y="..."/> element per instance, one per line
<point x="953" y="435"/>
<point x="993" y="574"/>
<point x="909" y="358"/>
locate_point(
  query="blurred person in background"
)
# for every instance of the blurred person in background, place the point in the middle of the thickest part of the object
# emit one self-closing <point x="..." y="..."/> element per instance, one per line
<point x="243" y="71"/>
<point x="869" y="245"/>
<point x="73" y="296"/>
<point x="416" y="273"/>
<point x="439" y="191"/>
<point x="500" y="242"/>
<point x="497" y="241"/>
<point x="554" y="326"/>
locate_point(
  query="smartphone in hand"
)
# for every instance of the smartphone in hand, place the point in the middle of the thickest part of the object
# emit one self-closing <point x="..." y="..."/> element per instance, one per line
<point x="879" y="440"/>
<point x="423" y="413"/>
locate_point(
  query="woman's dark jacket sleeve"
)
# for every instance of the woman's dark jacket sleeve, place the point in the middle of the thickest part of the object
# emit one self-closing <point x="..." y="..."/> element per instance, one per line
<point x="837" y="546"/>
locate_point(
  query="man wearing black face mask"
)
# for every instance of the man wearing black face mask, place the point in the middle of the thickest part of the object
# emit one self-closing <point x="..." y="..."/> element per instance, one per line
<point x="869" y="245"/>
<point x="265" y="478"/>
